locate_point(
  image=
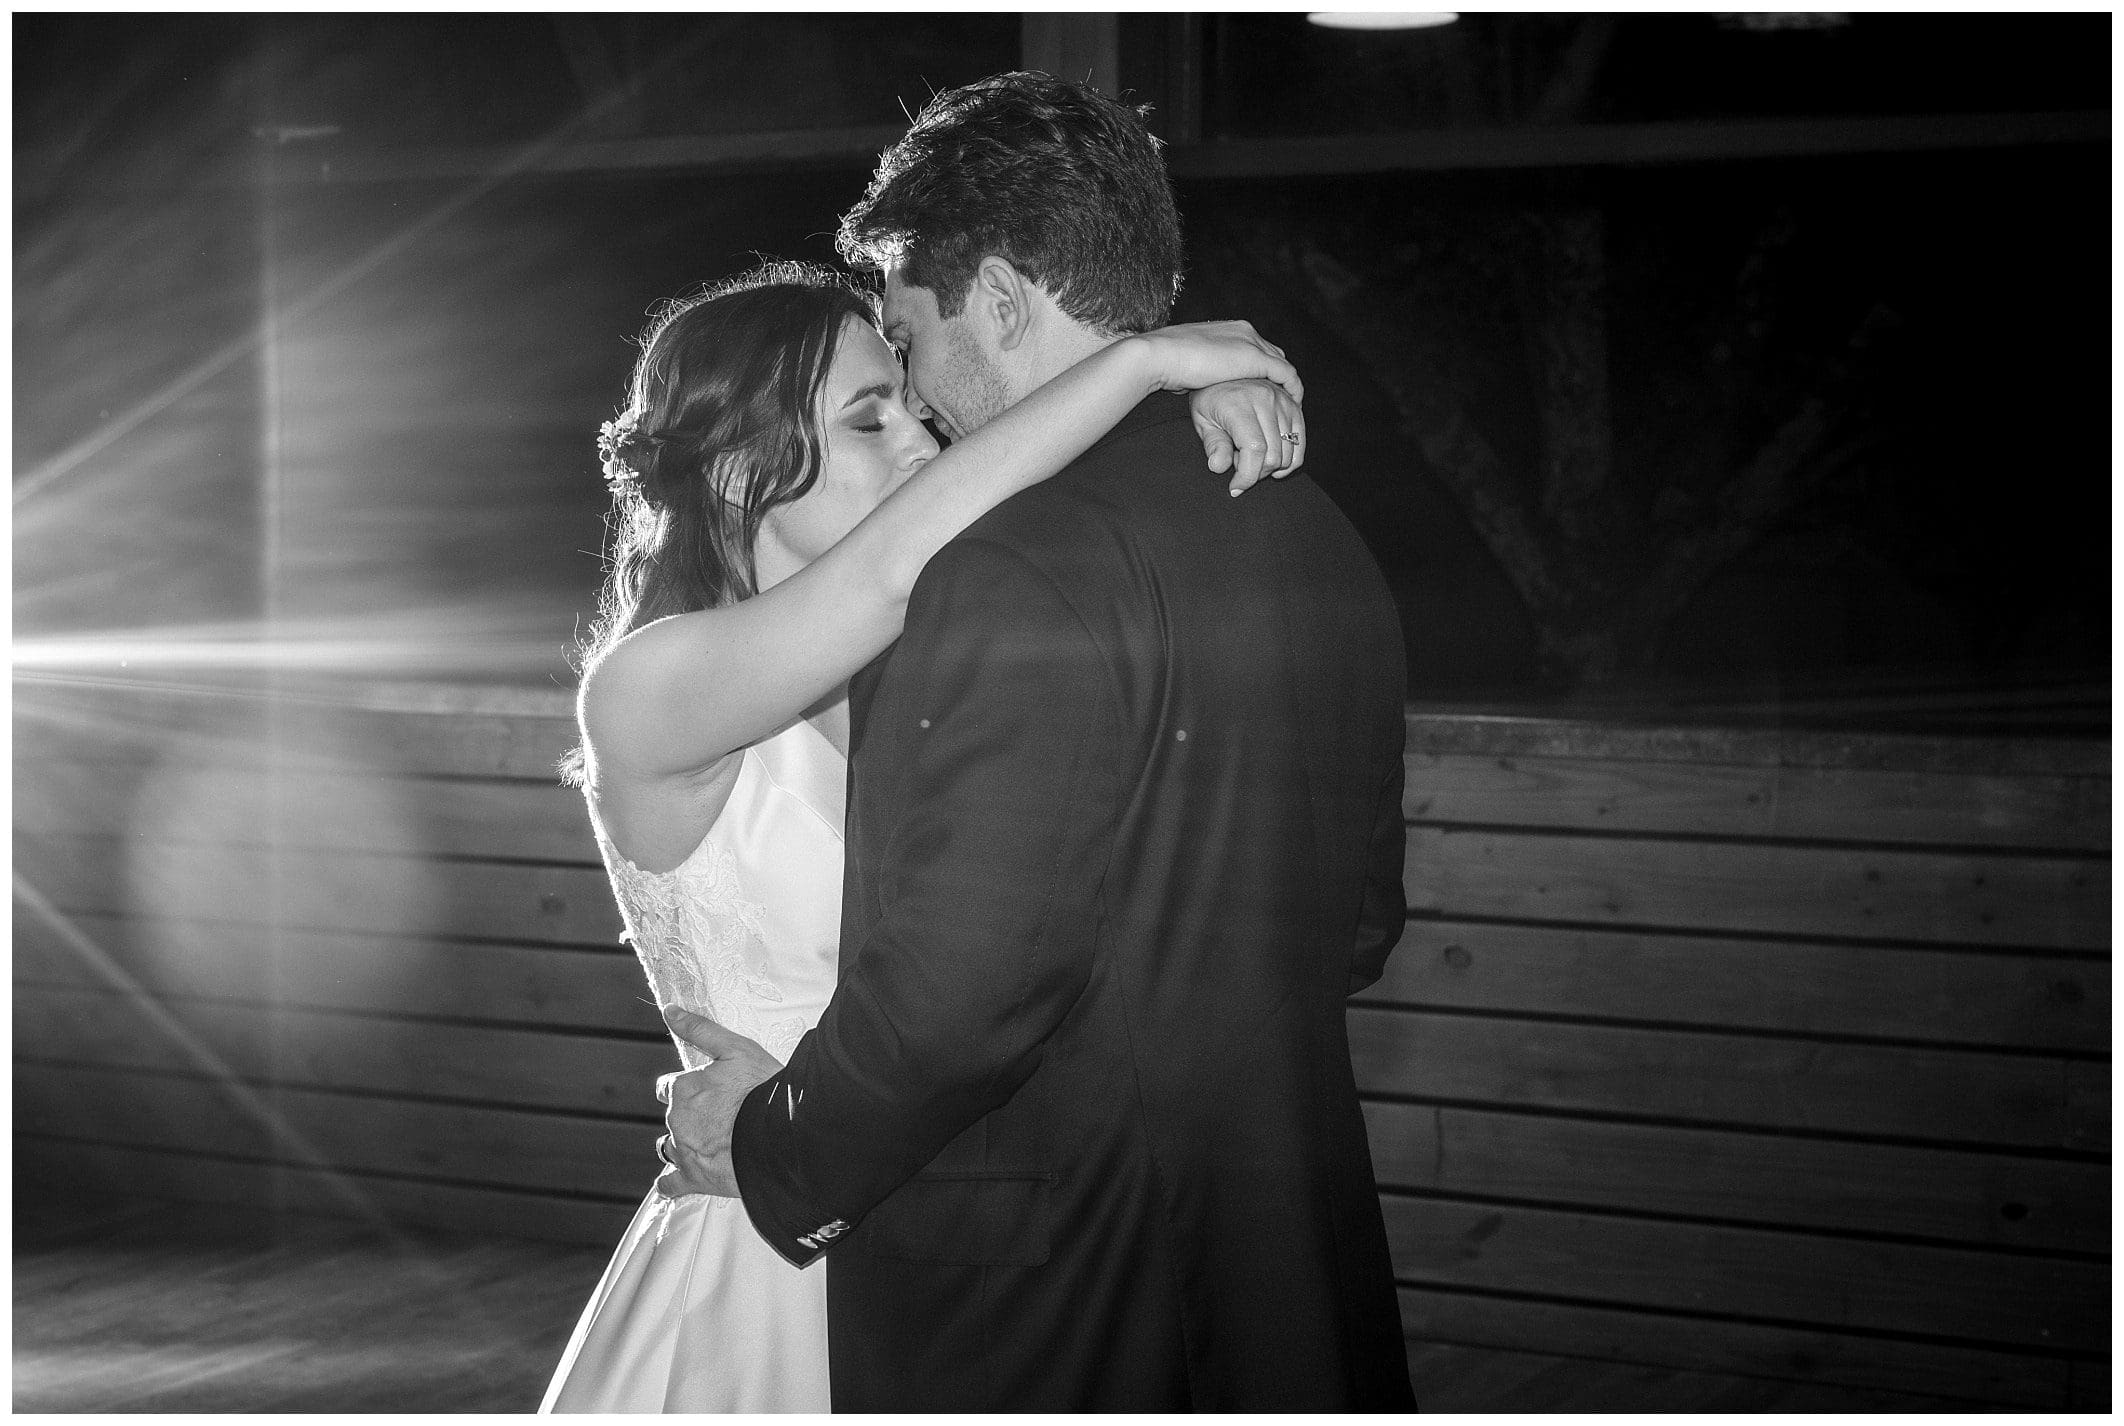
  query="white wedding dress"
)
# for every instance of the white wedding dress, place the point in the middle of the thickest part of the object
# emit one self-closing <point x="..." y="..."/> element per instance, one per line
<point x="695" y="1312"/>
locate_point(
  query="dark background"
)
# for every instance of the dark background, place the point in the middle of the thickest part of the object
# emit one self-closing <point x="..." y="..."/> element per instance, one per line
<point x="1664" y="360"/>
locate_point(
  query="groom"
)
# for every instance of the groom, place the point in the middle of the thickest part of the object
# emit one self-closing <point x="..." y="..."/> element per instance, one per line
<point x="1079" y="1130"/>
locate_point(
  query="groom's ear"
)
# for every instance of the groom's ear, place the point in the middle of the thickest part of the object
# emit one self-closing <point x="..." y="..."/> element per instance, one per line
<point x="1002" y="299"/>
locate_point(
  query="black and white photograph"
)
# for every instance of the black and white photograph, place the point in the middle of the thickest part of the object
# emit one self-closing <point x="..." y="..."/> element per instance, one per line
<point x="838" y="710"/>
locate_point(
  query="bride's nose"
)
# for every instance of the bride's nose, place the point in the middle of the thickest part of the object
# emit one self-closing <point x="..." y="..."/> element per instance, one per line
<point x="920" y="448"/>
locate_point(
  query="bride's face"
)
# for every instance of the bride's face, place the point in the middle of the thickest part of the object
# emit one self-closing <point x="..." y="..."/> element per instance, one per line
<point x="870" y="441"/>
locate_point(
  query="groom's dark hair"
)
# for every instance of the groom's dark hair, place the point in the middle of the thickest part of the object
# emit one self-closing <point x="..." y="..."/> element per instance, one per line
<point x="1054" y="176"/>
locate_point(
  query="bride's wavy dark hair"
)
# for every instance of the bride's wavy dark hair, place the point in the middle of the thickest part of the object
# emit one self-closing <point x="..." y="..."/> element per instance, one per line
<point x="721" y="426"/>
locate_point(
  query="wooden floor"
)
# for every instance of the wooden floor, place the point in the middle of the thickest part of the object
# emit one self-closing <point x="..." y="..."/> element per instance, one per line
<point x="160" y="1307"/>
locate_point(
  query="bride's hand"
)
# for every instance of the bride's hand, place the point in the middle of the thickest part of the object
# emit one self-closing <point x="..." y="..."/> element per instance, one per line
<point x="1251" y="428"/>
<point x="1198" y="354"/>
<point x="1244" y="398"/>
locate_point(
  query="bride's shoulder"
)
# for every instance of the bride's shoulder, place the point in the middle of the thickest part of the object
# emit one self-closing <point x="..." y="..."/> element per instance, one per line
<point x="626" y="678"/>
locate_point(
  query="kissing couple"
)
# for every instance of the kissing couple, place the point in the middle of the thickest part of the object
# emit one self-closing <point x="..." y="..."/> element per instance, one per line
<point x="1001" y="826"/>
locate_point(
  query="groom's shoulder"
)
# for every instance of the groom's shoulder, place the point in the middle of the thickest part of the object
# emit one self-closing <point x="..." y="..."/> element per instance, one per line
<point x="1157" y="433"/>
<point x="1097" y="524"/>
<point x="1125" y="471"/>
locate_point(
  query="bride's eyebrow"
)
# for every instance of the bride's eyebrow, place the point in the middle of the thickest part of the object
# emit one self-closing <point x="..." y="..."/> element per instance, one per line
<point x="880" y="390"/>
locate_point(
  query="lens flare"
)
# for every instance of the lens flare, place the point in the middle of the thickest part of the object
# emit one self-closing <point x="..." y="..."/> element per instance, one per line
<point x="196" y="1052"/>
<point x="462" y="643"/>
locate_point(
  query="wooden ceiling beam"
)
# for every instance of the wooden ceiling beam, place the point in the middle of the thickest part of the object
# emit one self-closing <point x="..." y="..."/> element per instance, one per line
<point x="706" y="153"/>
<point x="1415" y="151"/>
<point x="1690" y="141"/>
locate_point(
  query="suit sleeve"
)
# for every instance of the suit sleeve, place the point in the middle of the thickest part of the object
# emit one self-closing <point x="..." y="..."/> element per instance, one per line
<point x="1385" y="913"/>
<point x="982" y="944"/>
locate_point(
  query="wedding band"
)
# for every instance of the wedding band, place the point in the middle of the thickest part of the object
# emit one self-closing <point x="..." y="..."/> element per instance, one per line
<point x="663" y="1149"/>
<point x="1291" y="436"/>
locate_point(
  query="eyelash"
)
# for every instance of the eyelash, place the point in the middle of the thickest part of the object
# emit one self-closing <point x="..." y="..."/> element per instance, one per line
<point x="873" y="427"/>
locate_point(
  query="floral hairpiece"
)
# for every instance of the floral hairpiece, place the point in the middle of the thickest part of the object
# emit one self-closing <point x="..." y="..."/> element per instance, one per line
<point x="612" y="439"/>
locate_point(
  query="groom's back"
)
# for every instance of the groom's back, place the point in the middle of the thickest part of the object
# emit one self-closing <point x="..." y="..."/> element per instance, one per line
<point x="1213" y="1234"/>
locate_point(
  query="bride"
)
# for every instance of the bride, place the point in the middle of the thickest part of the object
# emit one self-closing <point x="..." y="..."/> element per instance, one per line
<point x="775" y="494"/>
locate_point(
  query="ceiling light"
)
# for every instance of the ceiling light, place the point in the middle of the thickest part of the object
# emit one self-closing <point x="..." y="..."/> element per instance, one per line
<point x="1382" y="19"/>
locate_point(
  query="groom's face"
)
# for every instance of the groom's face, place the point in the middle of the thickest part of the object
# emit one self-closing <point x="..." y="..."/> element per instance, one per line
<point x="947" y="365"/>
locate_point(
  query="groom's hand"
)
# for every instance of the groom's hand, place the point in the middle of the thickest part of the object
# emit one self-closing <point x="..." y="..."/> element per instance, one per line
<point x="701" y="1105"/>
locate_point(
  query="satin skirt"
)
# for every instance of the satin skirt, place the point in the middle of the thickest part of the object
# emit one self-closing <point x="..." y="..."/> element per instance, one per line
<point x="696" y="1313"/>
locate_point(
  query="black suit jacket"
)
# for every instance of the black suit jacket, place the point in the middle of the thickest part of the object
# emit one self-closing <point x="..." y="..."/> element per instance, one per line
<point x="1079" y="1126"/>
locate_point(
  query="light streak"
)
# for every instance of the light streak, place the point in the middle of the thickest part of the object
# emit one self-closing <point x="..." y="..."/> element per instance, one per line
<point x="229" y="353"/>
<point x="291" y="1140"/>
<point x="84" y="949"/>
<point x="463" y="641"/>
<point x="343" y="655"/>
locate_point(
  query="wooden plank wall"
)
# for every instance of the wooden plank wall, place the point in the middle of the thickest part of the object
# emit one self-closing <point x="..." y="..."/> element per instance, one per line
<point x="325" y="956"/>
<point x="1779" y="1055"/>
<point x="1784" y="1055"/>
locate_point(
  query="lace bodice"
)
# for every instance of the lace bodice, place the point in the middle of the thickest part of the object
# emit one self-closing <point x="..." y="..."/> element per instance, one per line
<point x="746" y="929"/>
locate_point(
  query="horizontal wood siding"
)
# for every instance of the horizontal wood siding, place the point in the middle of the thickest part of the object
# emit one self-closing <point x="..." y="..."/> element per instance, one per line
<point x="346" y="956"/>
<point x="1776" y="1054"/>
<point x="1773" y="888"/>
<point x="1784" y="1054"/>
<point x="1678" y="1171"/>
<point x="2032" y="999"/>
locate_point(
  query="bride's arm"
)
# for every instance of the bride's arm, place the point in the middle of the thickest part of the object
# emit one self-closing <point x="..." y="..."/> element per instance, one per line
<point x="675" y="696"/>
